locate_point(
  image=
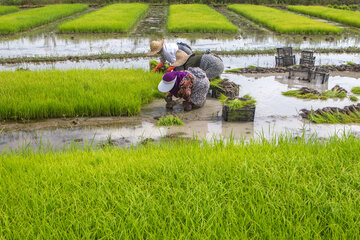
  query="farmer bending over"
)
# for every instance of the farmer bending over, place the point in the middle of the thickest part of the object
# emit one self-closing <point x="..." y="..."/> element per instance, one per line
<point x="210" y="63"/>
<point x="191" y="85"/>
<point x="167" y="52"/>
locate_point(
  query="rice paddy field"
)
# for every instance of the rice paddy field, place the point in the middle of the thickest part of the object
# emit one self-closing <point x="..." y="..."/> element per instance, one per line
<point x="113" y="18"/>
<point x="24" y="20"/>
<point x="347" y="17"/>
<point x="198" y="18"/>
<point x="50" y="94"/>
<point x="185" y="190"/>
<point x="283" y="22"/>
<point x="89" y="148"/>
<point x="8" y="9"/>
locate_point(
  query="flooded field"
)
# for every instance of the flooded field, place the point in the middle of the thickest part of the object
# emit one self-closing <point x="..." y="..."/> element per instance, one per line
<point x="230" y="62"/>
<point x="275" y="114"/>
<point x="51" y="44"/>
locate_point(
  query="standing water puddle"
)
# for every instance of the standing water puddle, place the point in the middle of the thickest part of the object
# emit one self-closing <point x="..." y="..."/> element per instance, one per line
<point x="275" y="114"/>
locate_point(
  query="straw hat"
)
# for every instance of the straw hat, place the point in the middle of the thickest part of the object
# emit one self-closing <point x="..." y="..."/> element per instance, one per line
<point x="155" y="47"/>
<point x="181" y="58"/>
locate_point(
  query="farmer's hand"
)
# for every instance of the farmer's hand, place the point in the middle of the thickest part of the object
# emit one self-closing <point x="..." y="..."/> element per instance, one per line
<point x="168" y="98"/>
<point x="160" y="65"/>
<point x="170" y="69"/>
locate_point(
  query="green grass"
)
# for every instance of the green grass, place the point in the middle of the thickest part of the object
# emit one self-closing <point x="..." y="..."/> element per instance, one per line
<point x="170" y="120"/>
<point x="8" y="9"/>
<point x="342" y="16"/>
<point x="198" y="18"/>
<point x="324" y="95"/>
<point x="113" y="18"/>
<point x="54" y="93"/>
<point x="283" y="22"/>
<point x="351" y="63"/>
<point x="185" y="190"/>
<point x="27" y="19"/>
<point x="353" y="117"/>
<point x="355" y="90"/>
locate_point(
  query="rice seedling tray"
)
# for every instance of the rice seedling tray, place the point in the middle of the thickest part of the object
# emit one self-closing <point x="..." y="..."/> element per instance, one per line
<point x="220" y="87"/>
<point x="239" y="109"/>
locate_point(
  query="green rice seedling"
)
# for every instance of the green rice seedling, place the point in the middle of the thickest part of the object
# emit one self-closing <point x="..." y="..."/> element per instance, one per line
<point x="27" y="19"/>
<point x="283" y="22"/>
<point x="238" y="103"/>
<point x="260" y="189"/>
<point x="355" y="90"/>
<point x="154" y="63"/>
<point x="198" y="18"/>
<point x="333" y="118"/>
<point x="8" y="9"/>
<point x="342" y="16"/>
<point x="54" y="93"/>
<point x="354" y="98"/>
<point x="215" y="83"/>
<point x="298" y="94"/>
<point x="113" y="18"/>
<point x="334" y="94"/>
<point x="233" y="70"/>
<point x="170" y="120"/>
<point x="324" y="95"/>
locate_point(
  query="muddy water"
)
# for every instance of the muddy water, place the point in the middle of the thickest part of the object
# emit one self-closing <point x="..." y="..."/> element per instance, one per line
<point x="275" y="114"/>
<point x="230" y="62"/>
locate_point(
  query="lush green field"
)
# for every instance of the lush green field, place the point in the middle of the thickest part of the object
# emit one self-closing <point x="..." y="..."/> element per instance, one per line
<point x="343" y="16"/>
<point x="113" y="18"/>
<point x="283" y="22"/>
<point x="24" y="20"/>
<point x="8" y="9"/>
<point x="198" y="18"/>
<point x="48" y="94"/>
<point x="285" y="189"/>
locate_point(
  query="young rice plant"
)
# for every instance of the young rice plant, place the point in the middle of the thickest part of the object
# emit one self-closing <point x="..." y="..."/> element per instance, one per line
<point x="8" y="9"/>
<point x="113" y="18"/>
<point x="54" y="93"/>
<point x="282" y="21"/>
<point x="342" y="16"/>
<point x="24" y="20"/>
<point x="170" y="120"/>
<point x="355" y="90"/>
<point x="198" y="18"/>
<point x="284" y="188"/>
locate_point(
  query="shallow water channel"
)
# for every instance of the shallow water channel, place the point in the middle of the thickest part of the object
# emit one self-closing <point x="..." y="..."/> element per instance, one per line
<point x="275" y="114"/>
